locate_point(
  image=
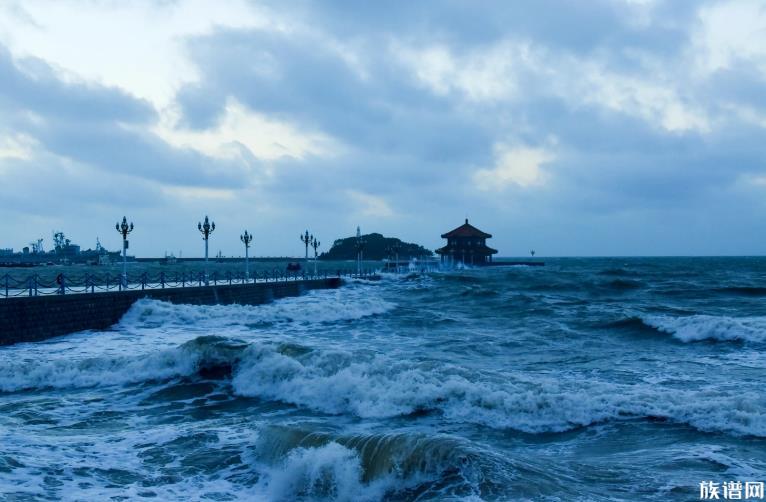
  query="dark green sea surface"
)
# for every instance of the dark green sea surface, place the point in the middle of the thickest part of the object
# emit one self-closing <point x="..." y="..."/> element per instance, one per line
<point x="586" y="379"/>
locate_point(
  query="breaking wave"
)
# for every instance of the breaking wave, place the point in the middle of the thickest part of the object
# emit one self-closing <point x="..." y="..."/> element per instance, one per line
<point x="317" y="306"/>
<point x="151" y="318"/>
<point x="304" y="464"/>
<point x="495" y="384"/>
<point x="328" y="472"/>
<point x="376" y="386"/>
<point x="707" y="327"/>
<point x="379" y="387"/>
<point x="197" y="355"/>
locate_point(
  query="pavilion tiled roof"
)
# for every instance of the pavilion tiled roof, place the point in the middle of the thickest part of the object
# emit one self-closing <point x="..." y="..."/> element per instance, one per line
<point x="479" y="250"/>
<point x="466" y="230"/>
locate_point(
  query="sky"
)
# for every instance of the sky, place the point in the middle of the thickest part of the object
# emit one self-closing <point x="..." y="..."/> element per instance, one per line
<point x="575" y="128"/>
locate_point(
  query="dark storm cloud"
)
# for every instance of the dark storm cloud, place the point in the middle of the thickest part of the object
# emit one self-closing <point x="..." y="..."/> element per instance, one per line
<point x="40" y="91"/>
<point x="298" y="79"/>
<point x="409" y="134"/>
<point x="47" y="186"/>
<point x="114" y="148"/>
<point x="636" y="134"/>
<point x="100" y="126"/>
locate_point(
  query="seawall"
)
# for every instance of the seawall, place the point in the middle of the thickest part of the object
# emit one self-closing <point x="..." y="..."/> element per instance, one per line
<point x="34" y="318"/>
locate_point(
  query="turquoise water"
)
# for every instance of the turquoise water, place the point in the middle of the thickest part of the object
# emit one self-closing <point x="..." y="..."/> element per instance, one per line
<point x="587" y="379"/>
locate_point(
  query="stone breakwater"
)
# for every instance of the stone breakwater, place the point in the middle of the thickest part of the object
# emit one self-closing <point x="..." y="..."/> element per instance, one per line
<point x="34" y="318"/>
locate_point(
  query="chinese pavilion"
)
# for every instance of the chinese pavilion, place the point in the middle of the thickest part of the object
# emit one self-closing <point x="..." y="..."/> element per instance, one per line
<point x="466" y="244"/>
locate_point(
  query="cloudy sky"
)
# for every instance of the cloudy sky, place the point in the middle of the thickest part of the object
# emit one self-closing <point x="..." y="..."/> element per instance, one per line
<point x="619" y="127"/>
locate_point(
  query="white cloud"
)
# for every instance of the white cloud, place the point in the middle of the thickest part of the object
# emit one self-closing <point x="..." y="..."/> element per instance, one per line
<point x="747" y="114"/>
<point x="514" y="165"/>
<point x="656" y="101"/>
<point x="196" y="193"/>
<point x="731" y="31"/>
<point x="17" y="146"/>
<point x="265" y="138"/>
<point x="494" y="73"/>
<point x="494" y="89"/>
<point x="137" y="46"/>
<point x="485" y="74"/>
<point x="370" y="205"/>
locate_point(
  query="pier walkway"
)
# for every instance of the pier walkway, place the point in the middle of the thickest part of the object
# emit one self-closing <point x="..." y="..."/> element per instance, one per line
<point x="67" y="284"/>
<point x="33" y="310"/>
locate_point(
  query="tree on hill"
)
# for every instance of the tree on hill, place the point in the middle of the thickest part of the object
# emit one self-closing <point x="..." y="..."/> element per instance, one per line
<point x="376" y="247"/>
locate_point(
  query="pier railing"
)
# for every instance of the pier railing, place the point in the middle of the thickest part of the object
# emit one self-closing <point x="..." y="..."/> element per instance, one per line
<point x="34" y="285"/>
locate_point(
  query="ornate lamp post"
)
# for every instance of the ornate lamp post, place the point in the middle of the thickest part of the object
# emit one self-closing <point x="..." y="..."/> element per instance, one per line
<point x="306" y="240"/>
<point x="206" y="229"/>
<point x="124" y="229"/>
<point x="315" y="244"/>
<point x="359" y="248"/>
<point x="246" y="239"/>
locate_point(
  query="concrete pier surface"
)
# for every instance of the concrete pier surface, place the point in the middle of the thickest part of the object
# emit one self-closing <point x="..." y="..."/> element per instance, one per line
<point x="34" y="318"/>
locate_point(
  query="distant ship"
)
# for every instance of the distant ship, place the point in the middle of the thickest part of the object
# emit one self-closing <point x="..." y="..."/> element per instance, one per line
<point x="170" y="259"/>
<point x="64" y="252"/>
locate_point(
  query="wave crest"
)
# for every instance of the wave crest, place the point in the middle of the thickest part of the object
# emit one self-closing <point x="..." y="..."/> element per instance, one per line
<point x="377" y="386"/>
<point x="201" y="353"/>
<point x="380" y="387"/>
<point x="707" y="327"/>
<point x="329" y="472"/>
<point x="303" y="463"/>
<point x="316" y="306"/>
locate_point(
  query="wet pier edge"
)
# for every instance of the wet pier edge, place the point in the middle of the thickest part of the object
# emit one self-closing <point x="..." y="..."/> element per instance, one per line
<point x="35" y="318"/>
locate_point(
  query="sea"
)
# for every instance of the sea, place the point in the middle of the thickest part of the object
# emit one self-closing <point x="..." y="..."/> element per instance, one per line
<point x="593" y="379"/>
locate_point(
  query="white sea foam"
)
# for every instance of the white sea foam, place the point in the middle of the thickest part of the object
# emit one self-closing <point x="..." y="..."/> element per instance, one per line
<point x="112" y="466"/>
<point x="115" y="370"/>
<point x="371" y="385"/>
<point x="315" y="466"/>
<point x="707" y="327"/>
<point x="316" y="306"/>
<point x="328" y="472"/>
<point x="164" y="341"/>
<point x="302" y="351"/>
<point x="736" y="468"/>
<point x="380" y="386"/>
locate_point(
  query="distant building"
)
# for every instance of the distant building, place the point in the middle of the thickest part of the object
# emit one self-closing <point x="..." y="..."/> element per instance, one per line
<point x="466" y="244"/>
<point x="64" y="252"/>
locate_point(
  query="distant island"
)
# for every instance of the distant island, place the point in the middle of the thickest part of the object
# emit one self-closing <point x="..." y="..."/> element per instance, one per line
<point x="376" y="247"/>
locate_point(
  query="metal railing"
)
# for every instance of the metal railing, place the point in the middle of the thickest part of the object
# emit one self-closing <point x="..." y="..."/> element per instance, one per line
<point x="62" y="284"/>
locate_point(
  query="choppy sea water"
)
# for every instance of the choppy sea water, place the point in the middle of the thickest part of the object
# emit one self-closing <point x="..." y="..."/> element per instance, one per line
<point x="586" y="379"/>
